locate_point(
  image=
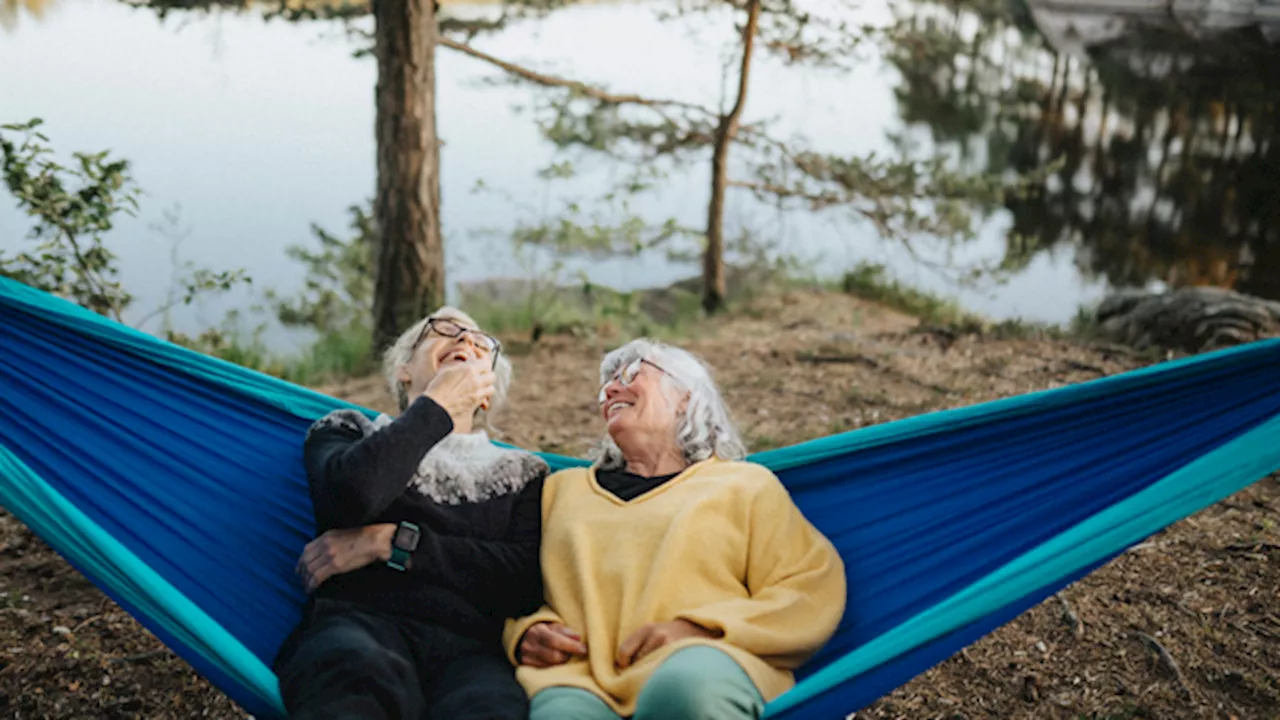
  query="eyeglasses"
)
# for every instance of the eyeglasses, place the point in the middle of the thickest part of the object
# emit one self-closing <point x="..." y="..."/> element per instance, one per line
<point x="451" y="329"/>
<point x="627" y="375"/>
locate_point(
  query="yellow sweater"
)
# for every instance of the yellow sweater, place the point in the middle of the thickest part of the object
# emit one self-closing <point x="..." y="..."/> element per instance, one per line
<point x="720" y="545"/>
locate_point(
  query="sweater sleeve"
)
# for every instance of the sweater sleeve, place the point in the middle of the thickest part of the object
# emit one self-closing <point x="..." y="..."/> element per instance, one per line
<point x="355" y="477"/>
<point x="515" y="629"/>
<point x="502" y="576"/>
<point x="795" y="581"/>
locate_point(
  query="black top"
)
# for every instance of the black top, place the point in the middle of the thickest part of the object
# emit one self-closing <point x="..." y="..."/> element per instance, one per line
<point x="627" y="486"/>
<point x="476" y="562"/>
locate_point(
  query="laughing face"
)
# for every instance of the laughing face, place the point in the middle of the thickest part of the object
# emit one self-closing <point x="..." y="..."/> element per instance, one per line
<point x="639" y="402"/>
<point x="444" y="341"/>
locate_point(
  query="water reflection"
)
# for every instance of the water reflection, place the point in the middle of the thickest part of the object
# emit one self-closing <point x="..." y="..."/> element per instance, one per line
<point x="257" y="129"/>
<point x="1165" y="127"/>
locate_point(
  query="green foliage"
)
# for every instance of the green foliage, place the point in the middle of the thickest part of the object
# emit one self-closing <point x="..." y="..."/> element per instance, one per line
<point x="871" y="282"/>
<point x="906" y="198"/>
<point x="584" y="309"/>
<point x="1085" y="324"/>
<point x="333" y="355"/>
<point x="572" y="234"/>
<point x="337" y="290"/>
<point x="72" y="207"/>
<point x="335" y="302"/>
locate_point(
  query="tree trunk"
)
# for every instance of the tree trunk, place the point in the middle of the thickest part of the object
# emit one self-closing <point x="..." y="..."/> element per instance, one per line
<point x="410" y="253"/>
<point x="713" y="281"/>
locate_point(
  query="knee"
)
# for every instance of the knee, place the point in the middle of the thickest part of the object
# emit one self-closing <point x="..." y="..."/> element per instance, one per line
<point x="699" y="683"/>
<point x="564" y="703"/>
<point x="678" y="696"/>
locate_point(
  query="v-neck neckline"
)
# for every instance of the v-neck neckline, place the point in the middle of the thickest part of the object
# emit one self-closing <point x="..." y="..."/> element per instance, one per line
<point x="679" y="478"/>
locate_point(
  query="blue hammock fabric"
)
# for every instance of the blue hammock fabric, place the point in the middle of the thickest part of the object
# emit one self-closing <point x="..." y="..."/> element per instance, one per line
<point x="174" y="481"/>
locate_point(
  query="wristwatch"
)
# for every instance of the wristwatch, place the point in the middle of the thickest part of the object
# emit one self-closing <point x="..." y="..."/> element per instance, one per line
<point x="403" y="543"/>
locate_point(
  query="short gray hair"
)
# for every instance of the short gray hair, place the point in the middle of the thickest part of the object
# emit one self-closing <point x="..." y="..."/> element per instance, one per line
<point x="705" y="428"/>
<point x="401" y="353"/>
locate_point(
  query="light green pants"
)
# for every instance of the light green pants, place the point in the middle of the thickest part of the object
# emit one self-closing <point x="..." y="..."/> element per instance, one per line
<point x="696" y="683"/>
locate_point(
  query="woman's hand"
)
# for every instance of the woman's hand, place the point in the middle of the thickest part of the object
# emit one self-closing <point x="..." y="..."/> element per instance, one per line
<point x="462" y="388"/>
<point x="547" y="644"/>
<point x="650" y="637"/>
<point x="341" y="551"/>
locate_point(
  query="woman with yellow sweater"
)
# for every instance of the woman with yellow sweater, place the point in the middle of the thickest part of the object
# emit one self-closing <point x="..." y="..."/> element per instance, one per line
<point x="680" y="582"/>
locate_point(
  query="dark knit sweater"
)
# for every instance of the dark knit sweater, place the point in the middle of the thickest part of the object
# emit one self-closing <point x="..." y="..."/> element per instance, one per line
<point x="478" y="508"/>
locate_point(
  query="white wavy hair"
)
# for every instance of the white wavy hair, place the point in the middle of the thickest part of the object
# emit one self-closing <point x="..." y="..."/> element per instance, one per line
<point x="703" y="430"/>
<point x="401" y="353"/>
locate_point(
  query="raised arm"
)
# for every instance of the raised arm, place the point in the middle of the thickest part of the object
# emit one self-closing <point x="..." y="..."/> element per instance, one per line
<point x="355" y="474"/>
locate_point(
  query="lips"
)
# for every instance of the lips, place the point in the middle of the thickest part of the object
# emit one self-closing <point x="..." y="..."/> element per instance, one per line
<point x="615" y="407"/>
<point x="456" y="355"/>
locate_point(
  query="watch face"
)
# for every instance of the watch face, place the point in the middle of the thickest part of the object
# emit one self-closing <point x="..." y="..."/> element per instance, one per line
<point x="406" y="538"/>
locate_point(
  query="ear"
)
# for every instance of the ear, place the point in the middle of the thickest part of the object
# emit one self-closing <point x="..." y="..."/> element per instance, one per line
<point x="683" y="407"/>
<point x="403" y="376"/>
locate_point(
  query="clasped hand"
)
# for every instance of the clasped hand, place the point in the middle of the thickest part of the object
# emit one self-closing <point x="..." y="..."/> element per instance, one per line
<point x="547" y="644"/>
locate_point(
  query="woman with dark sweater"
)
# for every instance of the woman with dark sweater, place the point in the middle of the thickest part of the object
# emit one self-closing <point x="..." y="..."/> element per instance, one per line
<point x="430" y="541"/>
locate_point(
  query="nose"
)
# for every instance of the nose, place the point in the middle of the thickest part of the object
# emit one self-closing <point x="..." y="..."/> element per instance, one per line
<point x="610" y="389"/>
<point x="466" y="337"/>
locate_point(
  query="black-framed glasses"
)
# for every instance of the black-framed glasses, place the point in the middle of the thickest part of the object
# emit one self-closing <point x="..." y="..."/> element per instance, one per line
<point x="451" y="329"/>
<point x="627" y="375"/>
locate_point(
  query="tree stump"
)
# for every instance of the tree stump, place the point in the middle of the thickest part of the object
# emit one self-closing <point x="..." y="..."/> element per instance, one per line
<point x="1196" y="319"/>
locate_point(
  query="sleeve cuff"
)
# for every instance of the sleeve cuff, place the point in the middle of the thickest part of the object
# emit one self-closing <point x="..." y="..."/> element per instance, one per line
<point x="425" y="410"/>
<point x="711" y="624"/>
<point x="514" y="631"/>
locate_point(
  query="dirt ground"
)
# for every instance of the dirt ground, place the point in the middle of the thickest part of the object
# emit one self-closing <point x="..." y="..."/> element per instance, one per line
<point x="1185" y="625"/>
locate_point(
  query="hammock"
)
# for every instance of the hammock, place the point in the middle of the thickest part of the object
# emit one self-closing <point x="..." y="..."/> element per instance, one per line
<point x="173" y="481"/>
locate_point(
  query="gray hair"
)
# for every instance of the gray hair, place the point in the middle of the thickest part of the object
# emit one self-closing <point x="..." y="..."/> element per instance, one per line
<point x="704" y="429"/>
<point x="401" y="353"/>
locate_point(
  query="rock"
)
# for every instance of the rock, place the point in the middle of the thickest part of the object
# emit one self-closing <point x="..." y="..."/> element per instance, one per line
<point x="1193" y="320"/>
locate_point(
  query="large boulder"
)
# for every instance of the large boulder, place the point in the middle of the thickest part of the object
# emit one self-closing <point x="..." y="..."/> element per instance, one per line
<point x="1193" y="319"/>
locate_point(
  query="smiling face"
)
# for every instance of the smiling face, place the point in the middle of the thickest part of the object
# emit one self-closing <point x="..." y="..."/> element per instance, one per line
<point x="641" y="409"/>
<point x="436" y="349"/>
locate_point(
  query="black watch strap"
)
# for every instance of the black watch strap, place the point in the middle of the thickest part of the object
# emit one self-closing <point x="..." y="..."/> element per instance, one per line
<point x="403" y="543"/>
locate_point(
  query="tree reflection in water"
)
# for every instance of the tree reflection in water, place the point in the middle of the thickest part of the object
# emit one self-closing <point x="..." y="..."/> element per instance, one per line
<point x="1165" y="128"/>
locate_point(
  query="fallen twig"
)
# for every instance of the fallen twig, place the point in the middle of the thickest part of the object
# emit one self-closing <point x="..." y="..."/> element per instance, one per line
<point x="1253" y="547"/>
<point x="1166" y="660"/>
<point x="140" y="657"/>
<point x="1068" y="614"/>
<point x="86" y="622"/>
<point x="839" y="359"/>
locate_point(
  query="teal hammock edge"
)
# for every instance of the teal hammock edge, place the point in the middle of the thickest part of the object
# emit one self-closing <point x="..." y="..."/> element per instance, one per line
<point x="216" y="644"/>
<point x="293" y="399"/>
<point x="82" y="541"/>
<point x="309" y="404"/>
<point x="1187" y="490"/>
<point x="819" y="449"/>
<point x="1193" y="487"/>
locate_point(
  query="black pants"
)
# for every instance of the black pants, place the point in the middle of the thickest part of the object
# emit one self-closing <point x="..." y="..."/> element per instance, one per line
<point x="343" y="662"/>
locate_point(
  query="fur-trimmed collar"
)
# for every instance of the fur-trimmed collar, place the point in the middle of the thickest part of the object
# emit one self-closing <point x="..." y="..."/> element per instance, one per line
<point x="462" y="468"/>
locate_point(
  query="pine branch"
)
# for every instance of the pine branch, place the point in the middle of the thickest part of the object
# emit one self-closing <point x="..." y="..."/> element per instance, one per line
<point x="816" y="200"/>
<point x="580" y="88"/>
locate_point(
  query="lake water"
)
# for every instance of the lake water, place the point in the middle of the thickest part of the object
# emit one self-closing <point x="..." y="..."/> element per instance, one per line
<point x="253" y="130"/>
